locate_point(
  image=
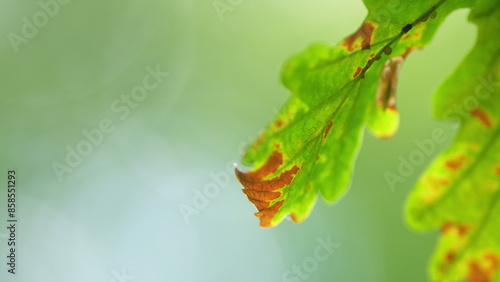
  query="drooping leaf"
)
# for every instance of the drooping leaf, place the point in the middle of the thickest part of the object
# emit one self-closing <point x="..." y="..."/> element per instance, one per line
<point x="335" y="91"/>
<point x="460" y="191"/>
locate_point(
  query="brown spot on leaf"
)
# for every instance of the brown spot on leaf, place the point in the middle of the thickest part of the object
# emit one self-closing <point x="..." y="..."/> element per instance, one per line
<point x="372" y="55"/>
<point x="461" y="229"/>
<point x="386" y="91"/>
<point x="262" y="191"/>
<point x="279" y="123"/>
<point x="388" y="50"/>
<point x="356" y="73"/>
<point x="365" y="32"/>
<point x="327" y="130"/>
<point x="446" y="227"/>
<point x="294" y="217"/>
<point x="482" y="116"/>
<point x="497" y="170"/>
<point x="405" y="37"/>
<point x="449" y="257"/>
<point x="455" y="163"/>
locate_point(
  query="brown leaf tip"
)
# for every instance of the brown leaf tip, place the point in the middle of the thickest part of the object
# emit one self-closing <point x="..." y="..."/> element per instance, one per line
<point x="262" y="191"/>
<point x="267" y="214"/>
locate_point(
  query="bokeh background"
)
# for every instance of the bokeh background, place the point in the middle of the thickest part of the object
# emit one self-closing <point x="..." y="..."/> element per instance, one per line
<point x="116" y="216"/>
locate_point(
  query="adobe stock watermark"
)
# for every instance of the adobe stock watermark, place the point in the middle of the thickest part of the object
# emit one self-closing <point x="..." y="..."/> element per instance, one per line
<point x="121" y="276"/>
<point x="122" y="107"/>
<point x="219" y="181"/>
<point x="426" y="148"/>
<point x="302" y="272"/>
<point x="201" y="198"/>
<point x="30" y="26"/>
<point x="416" y="158"/>
<point x="222" y="7"/>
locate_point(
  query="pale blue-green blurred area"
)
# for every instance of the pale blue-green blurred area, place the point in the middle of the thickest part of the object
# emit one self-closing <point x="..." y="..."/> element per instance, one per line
<point x="117" y="215"/>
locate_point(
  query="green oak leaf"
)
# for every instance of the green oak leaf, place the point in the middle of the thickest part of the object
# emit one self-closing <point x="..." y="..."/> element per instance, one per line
<point x="335" y="91"/>
<point x="460" y="191"/>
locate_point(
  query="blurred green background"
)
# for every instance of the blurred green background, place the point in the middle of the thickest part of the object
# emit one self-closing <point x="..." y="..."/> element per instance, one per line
<point x="117" y="215"/>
